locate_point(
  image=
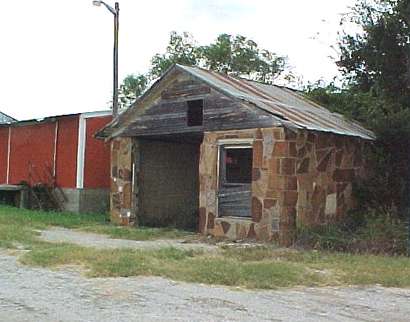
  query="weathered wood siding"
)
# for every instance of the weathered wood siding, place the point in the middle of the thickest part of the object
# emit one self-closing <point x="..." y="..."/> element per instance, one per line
<point x="167" y="113"/>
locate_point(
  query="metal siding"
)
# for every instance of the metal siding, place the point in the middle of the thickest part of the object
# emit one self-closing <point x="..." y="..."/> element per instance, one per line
<point x="97" y="155"/>
<point x="4" y="137"/>
<point x="66" y="160"/>
<point x="31" y="144"/>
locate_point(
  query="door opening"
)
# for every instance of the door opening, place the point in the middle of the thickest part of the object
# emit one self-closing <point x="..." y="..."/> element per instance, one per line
<point x="235" y="180"/>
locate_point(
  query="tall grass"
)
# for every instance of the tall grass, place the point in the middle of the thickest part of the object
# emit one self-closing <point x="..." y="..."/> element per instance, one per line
<point x="369" y="234"/>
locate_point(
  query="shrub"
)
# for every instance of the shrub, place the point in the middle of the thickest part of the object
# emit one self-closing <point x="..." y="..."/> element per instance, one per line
<point x="372" y="233"/>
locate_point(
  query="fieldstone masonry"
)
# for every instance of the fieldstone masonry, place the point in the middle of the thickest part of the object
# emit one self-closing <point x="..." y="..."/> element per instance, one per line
<point x="273" y="190"/>
<point x="326" y="166"/>
<point x="299" y="178"/>
<point x="121" y="205"/>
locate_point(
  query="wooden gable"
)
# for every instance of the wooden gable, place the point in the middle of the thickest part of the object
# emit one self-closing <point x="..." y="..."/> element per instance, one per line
<point x="166" y="111"/>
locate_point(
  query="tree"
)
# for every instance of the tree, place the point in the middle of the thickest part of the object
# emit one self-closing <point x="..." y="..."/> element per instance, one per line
<point x="242" y="57"/>
<point x="234" y="55"/>
<point x="132" y="86"/>
<point x="180" y="50"/>
<point x="375" y="62"/>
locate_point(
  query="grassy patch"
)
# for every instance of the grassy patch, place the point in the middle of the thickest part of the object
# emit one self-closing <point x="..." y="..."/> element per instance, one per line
<point x="354" y="269"/>
<point x="176" y="264"/>
<point x="41" y="219"/>
<point x="263" y="267"/>
<point x="23" y="219"/>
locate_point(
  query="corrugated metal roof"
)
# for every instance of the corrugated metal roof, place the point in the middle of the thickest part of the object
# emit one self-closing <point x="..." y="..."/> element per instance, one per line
<point x="52" y="118"/>
<point x="288" y="106"/>
<point x="5" y="119"/>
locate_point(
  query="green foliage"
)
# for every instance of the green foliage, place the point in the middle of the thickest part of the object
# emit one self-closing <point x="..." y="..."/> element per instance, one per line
<point x="371" y="233"/>
<point x="353" y="104"/>
<point x="180" y="50"/>
<point x="376" y="65"/>
<point x="387" y="189"/>
<point x="378" y="59"/>
<point x="132" y="87"/>
<point x="235" y="55"/>
<point x="242" y="57"/>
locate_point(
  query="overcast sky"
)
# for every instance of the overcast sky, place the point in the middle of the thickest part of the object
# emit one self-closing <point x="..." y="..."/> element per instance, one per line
<point x="56" y="56"/>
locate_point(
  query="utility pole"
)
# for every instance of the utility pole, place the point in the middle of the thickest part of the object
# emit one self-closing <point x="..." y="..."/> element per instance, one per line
<point x="116" y="12"/>
<point x="115" y="62"/>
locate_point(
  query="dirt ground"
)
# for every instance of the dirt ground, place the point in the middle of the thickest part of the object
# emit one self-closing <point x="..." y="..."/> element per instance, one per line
<point x="63" y="235"/>
<point x="37" y="294"/>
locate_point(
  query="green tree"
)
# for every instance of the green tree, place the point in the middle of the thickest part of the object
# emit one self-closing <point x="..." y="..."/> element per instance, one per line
<point x="181" y="49"/>
<point x="132" y="86"/>
<point x="234" y="55"/>
<point x="375" y="62"/>
<point x="240" y="56"/>
<point x="377" y="59"/>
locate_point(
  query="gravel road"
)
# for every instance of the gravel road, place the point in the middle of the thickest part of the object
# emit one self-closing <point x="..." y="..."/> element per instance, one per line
<point x="37" y="294"/>
<point x="60" y="235"/>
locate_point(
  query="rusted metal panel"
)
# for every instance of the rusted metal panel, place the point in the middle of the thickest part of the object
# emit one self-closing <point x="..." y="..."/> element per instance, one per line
<point x="285" y="104"/>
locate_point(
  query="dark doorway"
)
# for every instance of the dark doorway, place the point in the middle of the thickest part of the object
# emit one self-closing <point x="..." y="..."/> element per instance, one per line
<point x="169" y="182"/>
<point x="235" y="180"/>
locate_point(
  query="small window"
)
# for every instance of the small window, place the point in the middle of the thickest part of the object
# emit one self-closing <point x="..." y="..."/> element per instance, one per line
<point x="195" y="112"/>
<point x="238" y="165"/>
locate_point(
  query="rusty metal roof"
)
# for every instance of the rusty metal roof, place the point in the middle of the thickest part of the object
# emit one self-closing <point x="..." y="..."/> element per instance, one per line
<point x="287" y="105"/>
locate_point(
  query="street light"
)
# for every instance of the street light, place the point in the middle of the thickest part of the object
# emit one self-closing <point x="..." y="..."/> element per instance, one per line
<point x="116" y="12"/>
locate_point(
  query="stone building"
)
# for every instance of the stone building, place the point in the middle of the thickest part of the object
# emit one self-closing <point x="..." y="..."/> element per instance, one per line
<point x="232" y="157"/>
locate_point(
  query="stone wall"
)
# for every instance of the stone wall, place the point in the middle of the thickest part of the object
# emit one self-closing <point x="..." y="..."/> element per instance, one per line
<point x="121" y="199"/>
<point x="326" y="167"/>
<point x="273" y="190"/>
<point x="300" y="176"/>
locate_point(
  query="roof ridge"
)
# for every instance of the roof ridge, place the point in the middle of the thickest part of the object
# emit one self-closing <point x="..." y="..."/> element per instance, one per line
<point x="289" y="106"/>
<point x="301" y="111"/>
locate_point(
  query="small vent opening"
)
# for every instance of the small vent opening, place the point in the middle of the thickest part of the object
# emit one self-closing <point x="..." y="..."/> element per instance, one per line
<point x="195" y="113"/>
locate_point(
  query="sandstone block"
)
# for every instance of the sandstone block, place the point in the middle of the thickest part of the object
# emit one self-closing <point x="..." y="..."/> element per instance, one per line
<point x="256" y="209"/>
<point x="288" y="166"/>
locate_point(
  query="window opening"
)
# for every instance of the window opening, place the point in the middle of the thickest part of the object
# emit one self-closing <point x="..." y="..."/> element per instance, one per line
<point x="238" y="165"/>
<point x="195" y="112"/>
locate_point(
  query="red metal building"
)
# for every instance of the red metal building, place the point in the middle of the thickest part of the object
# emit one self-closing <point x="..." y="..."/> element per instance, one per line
<point x="59" y="151"/>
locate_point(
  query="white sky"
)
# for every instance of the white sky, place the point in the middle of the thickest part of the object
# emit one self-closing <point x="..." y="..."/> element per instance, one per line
<point x="56" y="56"/>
